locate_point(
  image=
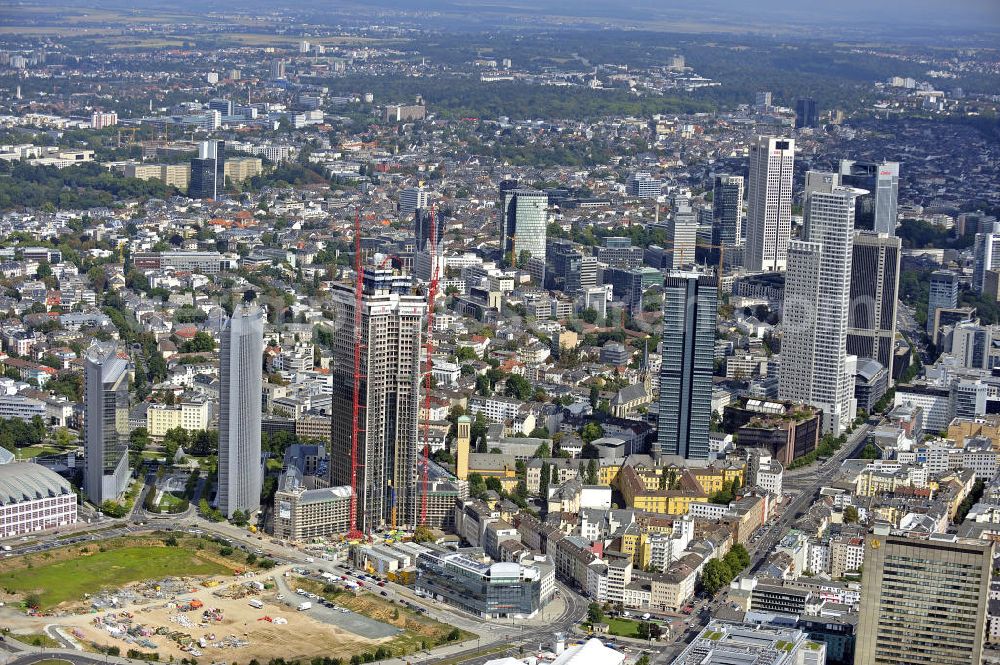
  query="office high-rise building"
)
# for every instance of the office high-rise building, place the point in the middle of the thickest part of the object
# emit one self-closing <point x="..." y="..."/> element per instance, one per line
<point x="876" y="210"/>
<point x="389" y="396"/>
<point x="942" y="294"/>
<point x="422" y="228"/>
<point x="727" y="210"/>
<point x="690" y="304"/>
<point x="277" y="69"/>
<point x="643" y="185"/>
<point x="208" y="171"/>
<point x="985" y="256"/>
<point x="817" y="298"/>
<point x="682" y="236"/>
<point x="202" y="182"/>
<point x="105" y="426"/>
<point x="223" y="106"/>
<point x="564" y="269"/>
<point x="411" y="200"/>
<point x="523" y="218"/>
<point x="428" y="259"/>
<point x="241" y="357"/>
<point x="924" y="599"/>
<point x="762" y="100"/>
<point x="769" y="203"/>
<point x="806" y="114"/>
<point x="871" y="322"/>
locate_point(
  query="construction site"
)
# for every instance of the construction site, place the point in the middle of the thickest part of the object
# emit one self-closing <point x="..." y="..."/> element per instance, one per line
<point x="219" y="618"/>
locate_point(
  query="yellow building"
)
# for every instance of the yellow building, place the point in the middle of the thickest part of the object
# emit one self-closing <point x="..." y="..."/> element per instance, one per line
<point x="715" y="479"/>
<point x="872" y="482"/>
<point x="961" y="429"/>
<point x="176" y="175"/>
<point x="487" y="465"/>
<point x="631" y="541"/>
<point x="189" y="416"/>
<point x="671" y="489"/>
<point x="641" y="489"/>
<point x="239" y="169"/>
<point x="608" y="472"/>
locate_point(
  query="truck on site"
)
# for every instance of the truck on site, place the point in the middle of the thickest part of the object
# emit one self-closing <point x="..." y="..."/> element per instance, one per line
<point x="304" y="606"/>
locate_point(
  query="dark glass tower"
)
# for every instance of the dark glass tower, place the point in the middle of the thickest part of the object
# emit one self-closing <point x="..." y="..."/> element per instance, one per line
<point x="806" y="114"/>
<point x="690" y="302"/>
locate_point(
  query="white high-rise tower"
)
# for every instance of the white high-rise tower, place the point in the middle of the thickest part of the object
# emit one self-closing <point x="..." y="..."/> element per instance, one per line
<point x="240" y="383"/>
<point x="769" y="203"/>
<point x="817" y="298"/>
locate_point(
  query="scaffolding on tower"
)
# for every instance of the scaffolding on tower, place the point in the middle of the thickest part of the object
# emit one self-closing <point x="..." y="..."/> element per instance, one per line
<point x="429" y="367"/>
<point x="354" y="533"/>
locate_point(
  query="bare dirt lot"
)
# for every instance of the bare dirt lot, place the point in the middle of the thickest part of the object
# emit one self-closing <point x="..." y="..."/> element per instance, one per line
<point x="240" y="635"/>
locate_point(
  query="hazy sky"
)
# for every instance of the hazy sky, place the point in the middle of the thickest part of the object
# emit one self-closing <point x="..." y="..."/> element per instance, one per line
<point x="919" y="19"/>
<point x="881" y="14"/>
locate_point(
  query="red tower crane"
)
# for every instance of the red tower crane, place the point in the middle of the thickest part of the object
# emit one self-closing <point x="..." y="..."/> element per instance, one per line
<point x="353" y="532"/>
<point x="429" y="367"/>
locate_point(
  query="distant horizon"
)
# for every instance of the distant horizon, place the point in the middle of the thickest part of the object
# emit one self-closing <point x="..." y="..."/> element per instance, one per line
<point x="905" y="20"/>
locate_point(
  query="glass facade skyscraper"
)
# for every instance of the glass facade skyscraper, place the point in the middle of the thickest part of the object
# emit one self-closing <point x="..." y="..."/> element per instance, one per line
<point x="240" y="384"/>
<point x="727" y="210"/>
<point x="871" y="322"/>
<point x="523" y="217"/>
<point x="942" y="294"/>
<point x="105" y="427"/>
<point x="876" y="209"/>
<point x="690" y="303"/>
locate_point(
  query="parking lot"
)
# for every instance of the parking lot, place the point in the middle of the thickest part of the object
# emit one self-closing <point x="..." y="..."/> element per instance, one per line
<point x="323" y="610"/>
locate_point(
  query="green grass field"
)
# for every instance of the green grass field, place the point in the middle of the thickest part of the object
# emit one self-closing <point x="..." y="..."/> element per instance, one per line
<point x="35" y="451"/>
<point x="38" y="640"/>
<point x="622" y="627"/>
<point x="71" y="579"/>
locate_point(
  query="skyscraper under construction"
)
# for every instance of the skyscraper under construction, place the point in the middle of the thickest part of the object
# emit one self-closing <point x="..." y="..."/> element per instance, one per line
<point x="388" y="387"/>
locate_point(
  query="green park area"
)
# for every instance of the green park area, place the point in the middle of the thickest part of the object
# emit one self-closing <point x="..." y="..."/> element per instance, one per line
<point x="623" y="627"/>
<point x="71" y="573"/>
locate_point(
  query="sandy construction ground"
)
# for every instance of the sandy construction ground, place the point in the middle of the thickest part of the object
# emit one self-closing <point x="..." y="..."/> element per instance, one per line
<point x="302" y="637"/>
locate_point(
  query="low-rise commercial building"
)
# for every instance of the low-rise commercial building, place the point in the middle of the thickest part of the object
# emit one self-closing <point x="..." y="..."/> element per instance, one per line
<point x="33" y="498"/>
<point x="488" y="590"/>
<point x="302" y="514"/>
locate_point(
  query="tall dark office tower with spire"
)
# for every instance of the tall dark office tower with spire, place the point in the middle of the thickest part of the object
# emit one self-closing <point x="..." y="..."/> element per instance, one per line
<point x="690" y="305"/>
<point x="241" y="358"/>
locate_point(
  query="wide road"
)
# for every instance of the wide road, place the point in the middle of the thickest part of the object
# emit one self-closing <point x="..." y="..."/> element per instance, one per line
<point x="574" y="610"/>
<point x="807" y="483"/>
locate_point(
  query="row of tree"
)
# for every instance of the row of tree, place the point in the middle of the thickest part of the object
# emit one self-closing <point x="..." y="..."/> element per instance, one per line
<point x="718" y="573"/>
